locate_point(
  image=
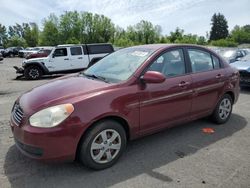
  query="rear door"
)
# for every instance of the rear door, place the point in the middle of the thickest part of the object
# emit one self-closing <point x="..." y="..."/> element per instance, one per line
<point x="77" y="58"/>
<point x="166" y="103"/>
<point x="207" y="80"/>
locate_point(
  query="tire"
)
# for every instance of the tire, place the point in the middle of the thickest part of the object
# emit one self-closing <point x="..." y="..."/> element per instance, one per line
<point x="223" y="110"/>
<point x="97" y="151"/>
<point x="33" y="72"/>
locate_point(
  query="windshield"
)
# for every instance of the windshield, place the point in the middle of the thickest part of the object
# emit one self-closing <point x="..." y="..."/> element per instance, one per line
<point x="120" y="65"/>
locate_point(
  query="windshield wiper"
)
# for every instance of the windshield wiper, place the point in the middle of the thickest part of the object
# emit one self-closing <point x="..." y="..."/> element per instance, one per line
<point x="96" y="77"/>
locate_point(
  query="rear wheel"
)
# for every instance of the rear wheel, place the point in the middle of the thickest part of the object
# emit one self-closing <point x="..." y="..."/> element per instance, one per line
<point x="33" y="72"/>
<point x="103" y="145"/>
<point x="223" y="110"/>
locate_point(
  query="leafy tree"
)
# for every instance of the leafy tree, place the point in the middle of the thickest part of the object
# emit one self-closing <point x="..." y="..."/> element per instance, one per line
<point x="16" y="41"/>
<point x="50" y="34"/>
<point x="177" y="35"/>
<point x="3" y="34"/>
<point x="31" y="34"/>
<point x="219" y="29"/>
<point x="224" y="43"/>
<point x="241" y="34"/>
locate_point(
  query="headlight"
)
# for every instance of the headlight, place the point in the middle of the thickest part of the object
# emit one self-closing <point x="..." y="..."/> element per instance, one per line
<point x="52" y="116"/>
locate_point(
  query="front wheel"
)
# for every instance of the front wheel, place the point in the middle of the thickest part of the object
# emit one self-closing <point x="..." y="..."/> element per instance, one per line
<point x="33" y="72"/>
<point x="223" y="110"/>
<point x="102" y="145"/>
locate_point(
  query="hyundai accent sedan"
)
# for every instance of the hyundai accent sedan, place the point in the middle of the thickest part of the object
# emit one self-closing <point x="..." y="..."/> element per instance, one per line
<point x="130" y="93"/>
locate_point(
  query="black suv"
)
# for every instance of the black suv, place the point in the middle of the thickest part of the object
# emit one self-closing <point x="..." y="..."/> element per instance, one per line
<point x="11" y="51"/>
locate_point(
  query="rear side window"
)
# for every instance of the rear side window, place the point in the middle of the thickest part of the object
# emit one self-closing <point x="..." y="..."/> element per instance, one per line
<point x="76" y="51"/>
<point x="200" y="60"/>
<point x="59" y="52"/>
<point x="99" y="49"/>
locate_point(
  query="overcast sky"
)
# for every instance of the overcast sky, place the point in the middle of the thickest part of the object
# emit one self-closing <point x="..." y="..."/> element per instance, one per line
<point x="191" y="15"/>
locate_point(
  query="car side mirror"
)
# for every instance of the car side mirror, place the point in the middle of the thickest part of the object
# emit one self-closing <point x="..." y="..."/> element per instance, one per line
<point x="153" y="77"/>
<point x="53" y="55"/>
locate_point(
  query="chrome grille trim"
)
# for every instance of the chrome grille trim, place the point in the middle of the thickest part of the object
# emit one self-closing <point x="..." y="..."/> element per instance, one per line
<point x="17" y="114"/>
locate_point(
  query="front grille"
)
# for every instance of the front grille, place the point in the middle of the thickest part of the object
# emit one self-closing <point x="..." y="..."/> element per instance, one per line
<point x="17" y="114"/>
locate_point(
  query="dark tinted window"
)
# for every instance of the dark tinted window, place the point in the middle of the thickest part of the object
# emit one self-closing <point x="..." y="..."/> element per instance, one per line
<point x="60" y="52"/>
<point x="200" y="60"/>
<point x="98" y="49"/>
<point x="216" y="62"/>
<point x="170" y="63"/>
<point x="76" y="51"/>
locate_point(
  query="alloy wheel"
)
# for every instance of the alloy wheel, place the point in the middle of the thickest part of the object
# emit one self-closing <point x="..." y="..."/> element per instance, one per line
<point x="225" y="108"/>
<point x="105" y="146"/>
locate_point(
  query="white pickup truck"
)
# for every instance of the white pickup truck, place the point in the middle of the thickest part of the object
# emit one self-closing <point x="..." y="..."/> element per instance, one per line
<point x="64" y="59"/>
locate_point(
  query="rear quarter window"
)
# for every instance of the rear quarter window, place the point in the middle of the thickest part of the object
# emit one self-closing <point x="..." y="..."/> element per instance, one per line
<point x="100" y="49"/>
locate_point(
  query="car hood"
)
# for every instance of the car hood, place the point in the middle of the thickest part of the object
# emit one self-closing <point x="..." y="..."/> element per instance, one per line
<point x="35" y="60"/>
<point x="241" y="65"/>
<point x="59" y="91"/>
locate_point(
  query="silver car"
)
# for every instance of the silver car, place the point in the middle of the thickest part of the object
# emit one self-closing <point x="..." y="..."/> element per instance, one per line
<point x="244" y="68"/>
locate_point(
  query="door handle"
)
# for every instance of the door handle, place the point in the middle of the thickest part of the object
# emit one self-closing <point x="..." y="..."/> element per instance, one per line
<point x="183" y="84"/>
<point x="219" y="76"/>
<point x="79" y="57"/>
<point x="66" y="59"/>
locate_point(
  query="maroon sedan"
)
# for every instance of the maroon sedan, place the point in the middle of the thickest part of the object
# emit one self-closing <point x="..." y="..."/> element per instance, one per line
<point x="130" y="93"/>
<point x="40" y="53"/>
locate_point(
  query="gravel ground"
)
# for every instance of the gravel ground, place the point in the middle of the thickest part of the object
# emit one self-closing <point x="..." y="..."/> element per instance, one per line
<point x="179" y="157"/>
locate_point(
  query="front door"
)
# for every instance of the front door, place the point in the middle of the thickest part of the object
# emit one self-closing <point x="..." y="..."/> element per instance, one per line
<point x="60" y="60"/>
<point x="164" y="104"/>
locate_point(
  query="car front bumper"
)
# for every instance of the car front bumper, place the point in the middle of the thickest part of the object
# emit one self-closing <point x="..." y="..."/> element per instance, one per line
<point x="47" y="144"/>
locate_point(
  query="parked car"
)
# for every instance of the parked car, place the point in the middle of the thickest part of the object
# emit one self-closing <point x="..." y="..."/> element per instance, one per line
<point x="244" y="68"/>
<point x="1" y="57"/>
<point x="21" y="53"/>
<point x="65" y="59"/>
<point x="40" y="53"/>
<point x="11" y="51"/>
<point x="1" y="50"/>
<point x="130" y="93"/>
<point x="231" y="55"/>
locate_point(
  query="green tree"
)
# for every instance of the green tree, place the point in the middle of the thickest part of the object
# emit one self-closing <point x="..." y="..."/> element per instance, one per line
<point x="16" y="41"/>
<point x="69" y="26"/>
<point x="176" y="36"/>
<point x="241" y="34"/>
<point x="50" y="34"/>
<point x="31" y="34"/>
<point x="224" y="43"/>
<point x="3" y="35"/>
<point x="219" y="29"/>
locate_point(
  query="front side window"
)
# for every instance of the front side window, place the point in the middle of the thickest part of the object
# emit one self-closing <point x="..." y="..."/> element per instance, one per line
<point x="200" y="60"/>
<point x="76" y="51"/>
<point x="170" y="63"/>
<point x="59" y="52"/>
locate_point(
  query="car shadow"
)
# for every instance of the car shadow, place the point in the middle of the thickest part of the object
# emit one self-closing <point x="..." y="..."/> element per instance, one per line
<point x="141" y="156"/>
<point x="245" y="90"/>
